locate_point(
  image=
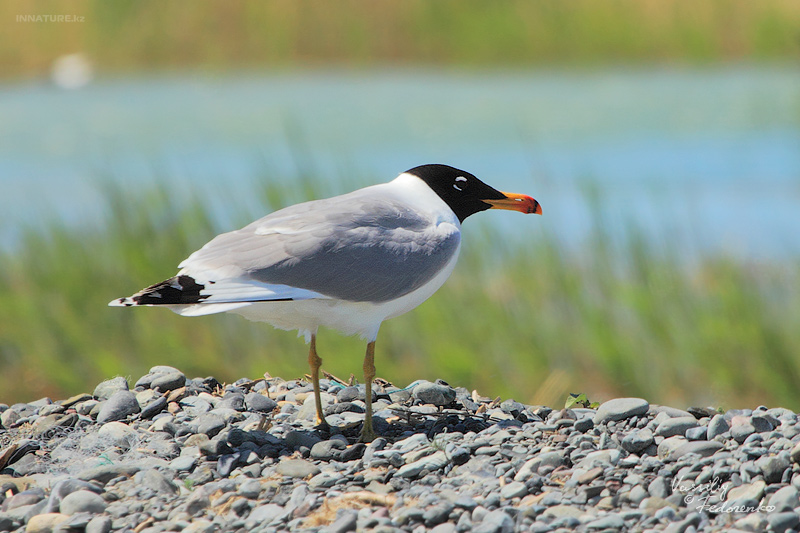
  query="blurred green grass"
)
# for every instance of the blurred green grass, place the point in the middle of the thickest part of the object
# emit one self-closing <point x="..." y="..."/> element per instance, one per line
<point x="522" y="318"/>
<point x="129" y="35"/>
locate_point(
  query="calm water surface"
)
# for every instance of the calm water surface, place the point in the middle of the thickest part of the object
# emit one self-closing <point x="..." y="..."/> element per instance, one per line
<point x="705" y="159"/>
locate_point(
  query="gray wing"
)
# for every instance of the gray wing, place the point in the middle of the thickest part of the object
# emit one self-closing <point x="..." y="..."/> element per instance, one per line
<point x="357" y="247"/>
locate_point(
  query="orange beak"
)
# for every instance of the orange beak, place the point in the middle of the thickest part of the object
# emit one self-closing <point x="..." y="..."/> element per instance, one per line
<point x="516" y="202"/>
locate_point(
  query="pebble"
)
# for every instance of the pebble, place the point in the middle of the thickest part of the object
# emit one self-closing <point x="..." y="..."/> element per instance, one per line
<point x="613" y="521"/>
<point x="636" y="441"/>
<point x="108" y="388"/>
<point x="676" y="426"/>
<point x="193" y="455"/>
<point x="785" y="499"/>
<point x="254" y="401"/>
<point x="620" y="409"/>
<point x="117" y="407"/>
<point x="434" y="394"/>
<point x="298" y="468"/>
<point x="701" y="448"/>
<point x="697" y="433"/>
<point x="773" y="467"/>
<point x="266" y="513"/>
<point x="168" y="381"/>
<point x="740" y="432"/>
<point x="82" y="501"/>
<point x="99" y="524"/>
<point x="751" y="491"/>
<point x="780" y="522"/>
<point x="45" y="523"/>
<point x="717" y="426"/>
<point x="118" y="434"/>
<point x="496" y="521"/>
<point x="344" y="523"/>
<point x="516" y="489"/>
<point x="156" y="481"/>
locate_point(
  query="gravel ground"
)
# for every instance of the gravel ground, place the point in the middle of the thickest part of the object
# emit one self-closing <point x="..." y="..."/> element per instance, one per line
<point x="193" y="455"/>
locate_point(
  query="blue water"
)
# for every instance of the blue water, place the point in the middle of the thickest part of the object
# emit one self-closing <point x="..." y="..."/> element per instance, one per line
<point x="706" y="159"/>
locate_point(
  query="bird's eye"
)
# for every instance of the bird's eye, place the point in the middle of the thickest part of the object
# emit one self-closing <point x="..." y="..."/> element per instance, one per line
<point x="460" y="183"/>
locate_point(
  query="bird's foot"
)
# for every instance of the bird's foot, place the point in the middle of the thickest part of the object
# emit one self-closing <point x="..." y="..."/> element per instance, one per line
<point x="367" y="434"/>
<point x="322" y="426"/>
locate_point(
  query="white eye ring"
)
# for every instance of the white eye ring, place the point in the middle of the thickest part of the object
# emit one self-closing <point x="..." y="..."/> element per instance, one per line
<point x="460" y="179"/>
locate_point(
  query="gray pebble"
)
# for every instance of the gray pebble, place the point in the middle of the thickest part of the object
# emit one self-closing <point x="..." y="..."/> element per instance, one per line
<point x="296" y="439"/>
<point x="763" y="422"/>
<point x="168" y="381"/>
<point x="200" y="476"/>
<point x="99" y="524"/>
<point x="496" y="521"/>
<point x="259" y="403"/>
<point x="250" y="489"/>
<point x="638" y="440"/>
<point x="515" y="489"/>
<point x="158" y="482"/>
<point x="612" y="521"/>
<point x="620" y="409"/>
<point x="232" y="400"/>
<point x="408" y="515"/>
<point x="153" y="408"/>
<point x="702" y="448"/>
<point x="86" y="408"/>
<point x="659" y="488"/>
<point x="785" y="499"/>
<point x="26" y="497"/>
<point x="717" y="426"/>
<point x="119" y="406"/>
<point x="780" y="522"/>
<point x="210" y="424"/>
<point x="436" y="514"/>
<point x="328" y="449"/>
<point x="298" y="468"/>
<point x="82" y="501"/>
<point x="431" y="463"/>
<point x="214" y="448"/>
<point x="351" y="394"/>
<point x="697" y="433"/>
<point x="740" y="432"/>
<point x="183" y="463"/>
<point x="47" y="426"/>
<point x="583" y="424"/>
<point x="324" y="480"/>
<point x="195" y="406"/>
<point x="264" y="514"/>
<point x="9" y="417"/>
<point x="345" y="522"/>
<point x="446" y="527"/>
<point x="676" y="426"/>
<point x="435" y="394"/>
<point x="104" y="474"/>
<point x="773" y="467"/>
<point x="465" y="502"/>
<point x="108" y="388"/>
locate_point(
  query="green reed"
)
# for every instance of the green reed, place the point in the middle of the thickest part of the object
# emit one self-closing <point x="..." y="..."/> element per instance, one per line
<point x="130" y="35"/>
<point x="523" y="318"/>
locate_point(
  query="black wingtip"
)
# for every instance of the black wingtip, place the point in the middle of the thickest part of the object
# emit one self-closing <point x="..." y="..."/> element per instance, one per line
<point x="178" y="290"/>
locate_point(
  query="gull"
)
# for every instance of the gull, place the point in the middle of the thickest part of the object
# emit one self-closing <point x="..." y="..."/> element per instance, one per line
<point x="347" y="263"/>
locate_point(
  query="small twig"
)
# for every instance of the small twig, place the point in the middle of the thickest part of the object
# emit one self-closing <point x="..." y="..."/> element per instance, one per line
<point x="331" y="377"/>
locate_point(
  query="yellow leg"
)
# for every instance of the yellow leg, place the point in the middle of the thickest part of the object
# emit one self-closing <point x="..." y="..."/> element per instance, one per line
<point x="315" y="362"/>
<point x="367" y="433"/>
